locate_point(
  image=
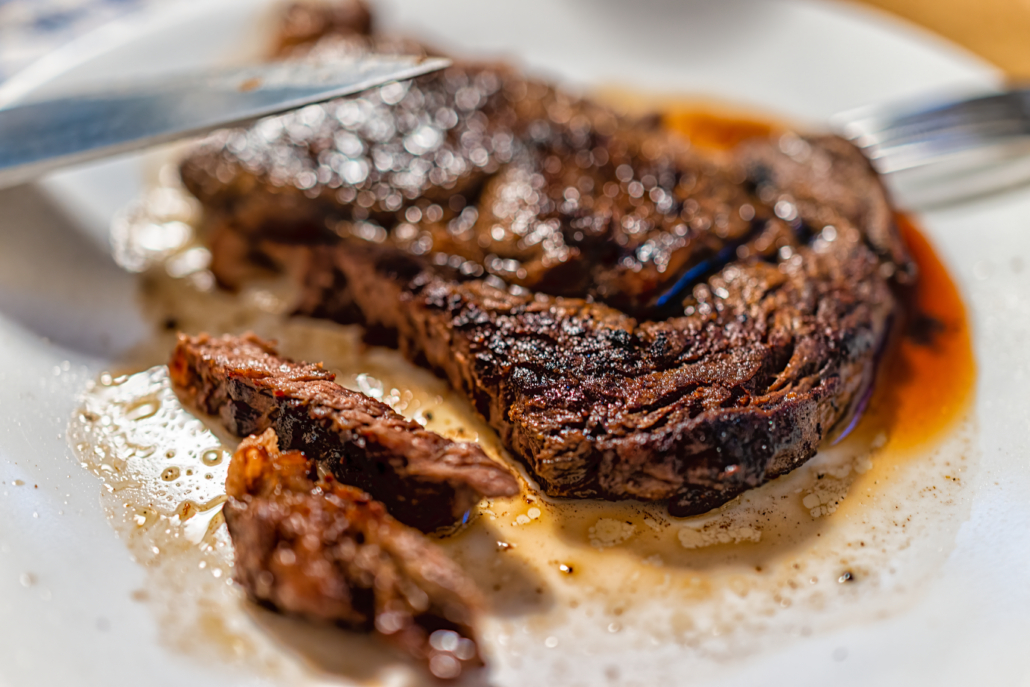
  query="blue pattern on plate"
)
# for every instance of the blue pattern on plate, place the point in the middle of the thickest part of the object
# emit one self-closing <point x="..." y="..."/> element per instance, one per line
<point x="31" y="28"/>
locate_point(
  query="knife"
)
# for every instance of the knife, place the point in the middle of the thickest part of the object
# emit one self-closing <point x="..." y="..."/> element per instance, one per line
<point x="39" y="137"/>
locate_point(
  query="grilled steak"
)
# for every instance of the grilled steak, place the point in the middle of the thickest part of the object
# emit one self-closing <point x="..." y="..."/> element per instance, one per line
<point x="426" y="481"/>
<point x="328" y="552"/>
<point x="635" y="319"/>
<point x="305" y="22"/>
<point x="770" y="360"/>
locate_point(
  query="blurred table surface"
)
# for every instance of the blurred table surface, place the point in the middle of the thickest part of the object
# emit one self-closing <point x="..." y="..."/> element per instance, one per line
<point x="997" y="30"/>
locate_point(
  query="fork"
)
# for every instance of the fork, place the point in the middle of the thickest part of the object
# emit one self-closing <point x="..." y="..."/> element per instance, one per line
<point x="945" y="152"/>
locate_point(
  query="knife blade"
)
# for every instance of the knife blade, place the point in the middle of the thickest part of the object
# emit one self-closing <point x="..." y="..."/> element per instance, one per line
<point x="39" y="137"/>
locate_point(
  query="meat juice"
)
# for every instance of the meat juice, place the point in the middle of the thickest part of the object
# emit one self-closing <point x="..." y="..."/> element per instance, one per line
<point x="849" y="536"/>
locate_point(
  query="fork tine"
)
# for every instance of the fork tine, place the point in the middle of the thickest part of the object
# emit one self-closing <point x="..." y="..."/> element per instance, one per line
<point x="945" y="153"/>
<point x="921" y="154"/>
<point x="902" y="139"/>
<point x="969" y="134"/>
<point x="886" y="126"/>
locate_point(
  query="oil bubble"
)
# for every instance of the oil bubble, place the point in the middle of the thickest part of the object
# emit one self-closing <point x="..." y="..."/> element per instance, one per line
<point x="212" y="457"/>
<point x="142" y="409"/>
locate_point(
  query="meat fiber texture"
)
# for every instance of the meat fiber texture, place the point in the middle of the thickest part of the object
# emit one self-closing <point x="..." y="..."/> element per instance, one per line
<point x="425" y="480"/>
<point x="328" y="552"/>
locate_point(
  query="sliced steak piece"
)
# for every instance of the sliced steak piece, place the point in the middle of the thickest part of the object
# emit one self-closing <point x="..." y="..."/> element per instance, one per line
<point x="328" y="552"/>
<point x="426" y="481"/>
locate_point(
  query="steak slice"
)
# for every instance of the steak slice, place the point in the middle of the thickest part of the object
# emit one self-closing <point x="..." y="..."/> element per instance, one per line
<point x="427" y="481"/>
<point x="325" y="551"/>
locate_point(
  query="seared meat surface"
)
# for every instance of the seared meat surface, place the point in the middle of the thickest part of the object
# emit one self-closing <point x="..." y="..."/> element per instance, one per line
<point x="766" y="361"/>
<point x="328" y="552"/>
<point x="426" y="481"/>
<point x="637" y="320"/>
<point x="304" y="22"/>
<point x="480" y="168"/>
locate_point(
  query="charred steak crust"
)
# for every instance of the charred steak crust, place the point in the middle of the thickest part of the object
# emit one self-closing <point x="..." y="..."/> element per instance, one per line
<point x="484" y="170"/>
<point x="694" y="409"/>
<point x="328" y="552"/>
<point x="636" y="320"/>
<point x="426" y="481"/>
<point x="304" y="22"/>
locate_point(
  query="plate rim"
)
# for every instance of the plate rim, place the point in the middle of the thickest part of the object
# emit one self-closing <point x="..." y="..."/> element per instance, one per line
<point x="124" y="30"/>
<point x="98" y="41"/>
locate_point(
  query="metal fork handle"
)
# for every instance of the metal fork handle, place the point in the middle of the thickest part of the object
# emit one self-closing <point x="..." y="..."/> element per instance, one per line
<point x="906" y="139"/>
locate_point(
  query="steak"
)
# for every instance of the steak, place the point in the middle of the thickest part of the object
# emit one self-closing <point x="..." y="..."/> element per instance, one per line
<point x="766" y="362"/>
<point x="427" y="481"/>
<point x="328" y="552"/>
<point x="304" y="23"/>
<point x="637" y="320"/>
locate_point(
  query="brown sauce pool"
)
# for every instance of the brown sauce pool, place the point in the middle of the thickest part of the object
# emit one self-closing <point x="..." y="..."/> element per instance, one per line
<point x="574" y="587"/>
<point x="714" y="131"/>
<point x="929" y="377"/>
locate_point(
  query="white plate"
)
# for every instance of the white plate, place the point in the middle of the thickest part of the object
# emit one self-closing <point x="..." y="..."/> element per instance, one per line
<point x="67" y="312"/>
